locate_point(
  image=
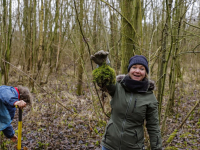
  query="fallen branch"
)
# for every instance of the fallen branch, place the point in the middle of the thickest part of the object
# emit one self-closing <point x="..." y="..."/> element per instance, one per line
<point x="171" y="137"/>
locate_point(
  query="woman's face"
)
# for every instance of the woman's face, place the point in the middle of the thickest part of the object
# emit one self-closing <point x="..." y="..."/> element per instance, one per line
<point x="137" y="72"/>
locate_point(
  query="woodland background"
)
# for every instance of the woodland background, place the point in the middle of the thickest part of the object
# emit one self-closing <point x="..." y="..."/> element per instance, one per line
<point x="46" y="46"/>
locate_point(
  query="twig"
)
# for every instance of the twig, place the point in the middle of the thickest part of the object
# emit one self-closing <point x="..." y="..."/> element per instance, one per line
<point x="192" y="25"/>
<point x="194" y="52"/>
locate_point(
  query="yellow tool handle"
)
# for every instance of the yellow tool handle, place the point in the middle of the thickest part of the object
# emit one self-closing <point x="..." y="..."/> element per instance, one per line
<point x="19" y="130"/>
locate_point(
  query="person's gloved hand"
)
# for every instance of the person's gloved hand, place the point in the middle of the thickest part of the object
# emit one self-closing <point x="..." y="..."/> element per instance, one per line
<point x="99" y="57"/>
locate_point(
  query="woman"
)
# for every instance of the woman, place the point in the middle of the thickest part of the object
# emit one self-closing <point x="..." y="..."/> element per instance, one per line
<point x="132" y="102"/>
<point x="9" y="98"/>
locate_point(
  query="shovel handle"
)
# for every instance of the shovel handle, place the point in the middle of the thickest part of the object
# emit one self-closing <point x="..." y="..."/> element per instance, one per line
<point x="19" y="130"/>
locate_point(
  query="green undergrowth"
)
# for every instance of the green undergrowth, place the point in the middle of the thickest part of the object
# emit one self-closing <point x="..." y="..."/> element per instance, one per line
<point x="3" y="143"/>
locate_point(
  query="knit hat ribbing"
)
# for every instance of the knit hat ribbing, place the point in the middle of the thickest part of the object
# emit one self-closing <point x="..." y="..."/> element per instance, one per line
<point x="138" y="59"/>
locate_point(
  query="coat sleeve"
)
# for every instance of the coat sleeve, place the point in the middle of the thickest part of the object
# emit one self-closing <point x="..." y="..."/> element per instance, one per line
<point x="9" y="96"/>
<point x="153" y="126"/>
<point x="111" y="89"/>
<point x="9" y="132"/>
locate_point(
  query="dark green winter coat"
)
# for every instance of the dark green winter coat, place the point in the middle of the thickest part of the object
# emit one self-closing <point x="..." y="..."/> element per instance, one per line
<point x="125" y="130"/>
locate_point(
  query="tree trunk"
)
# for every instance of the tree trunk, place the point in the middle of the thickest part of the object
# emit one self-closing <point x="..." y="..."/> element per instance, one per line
<point x="33" y="54"/>
<point x="81" y="51"/>
<point x="114" y="53"/>
<point x="164" y="59"/>
<point x="130" y="27"/>
<point x="137" y="23"/>
<point x="95" y="44"/>
<point x="59" y="36"/>
<point x="175" y="49"/>
<point x="40" y="51"/>
<point x="174" y="62"/>
<point x="8" y="40"/>
<point x="127" y="45"/>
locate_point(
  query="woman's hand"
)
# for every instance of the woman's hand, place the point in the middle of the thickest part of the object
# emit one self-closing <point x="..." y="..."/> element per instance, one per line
<point x="14" y="138"/>
<point x="21" y="104"/>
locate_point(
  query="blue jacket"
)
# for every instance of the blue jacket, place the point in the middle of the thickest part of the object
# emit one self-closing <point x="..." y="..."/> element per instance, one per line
<point x="8" y="96"/>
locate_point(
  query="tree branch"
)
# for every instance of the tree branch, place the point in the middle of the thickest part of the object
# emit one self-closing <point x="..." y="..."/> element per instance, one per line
<point x="192" y="25"/>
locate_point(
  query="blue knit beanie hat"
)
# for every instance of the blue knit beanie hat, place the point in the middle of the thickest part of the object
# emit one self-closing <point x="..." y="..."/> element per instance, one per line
<point x="138" y="59"/>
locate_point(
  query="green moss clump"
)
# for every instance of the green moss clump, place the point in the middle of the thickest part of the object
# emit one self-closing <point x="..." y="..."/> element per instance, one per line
<point x="104" y="75"/>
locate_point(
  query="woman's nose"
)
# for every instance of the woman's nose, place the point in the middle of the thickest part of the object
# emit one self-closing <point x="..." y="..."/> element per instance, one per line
<point x="137" y="70"/>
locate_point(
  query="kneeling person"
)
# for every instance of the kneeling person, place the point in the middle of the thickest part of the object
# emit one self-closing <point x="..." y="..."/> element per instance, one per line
<point x="9" y="98"/>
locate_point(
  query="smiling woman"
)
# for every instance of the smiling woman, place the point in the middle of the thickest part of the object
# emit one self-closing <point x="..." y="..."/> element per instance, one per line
<point x="132" y="102"/>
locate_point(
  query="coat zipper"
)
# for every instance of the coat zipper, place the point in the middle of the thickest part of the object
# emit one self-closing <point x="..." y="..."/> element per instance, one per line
<point x="157" y="141"/>
<point x="124" y="121"/>
<point x="135" y="102"/>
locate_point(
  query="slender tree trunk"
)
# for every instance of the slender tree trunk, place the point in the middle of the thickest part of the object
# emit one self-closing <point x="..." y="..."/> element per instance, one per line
<point x="55" y="38"/>
<point x="80" y="61"/>
<point x="49" y="35"/>
<point x="33" y="54"/>
<point x="59" y="38"/>
<point x="4" y="38"/>
<point x="164" y="59"/>
<point x="137" y="23"/>
<point x="105" y="35"/>
<point x="30" y="36"/>
<point x="40" y="51"/>
<point x="8" y="44"/>
<point x="175" y="61"/>
<point x="26" y="34"/>
<point x="95" y="26"/>
<point x="114" y="55"/>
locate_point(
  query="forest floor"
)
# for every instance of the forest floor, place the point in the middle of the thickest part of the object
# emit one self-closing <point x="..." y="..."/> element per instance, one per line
<point x="81" y="123"/>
